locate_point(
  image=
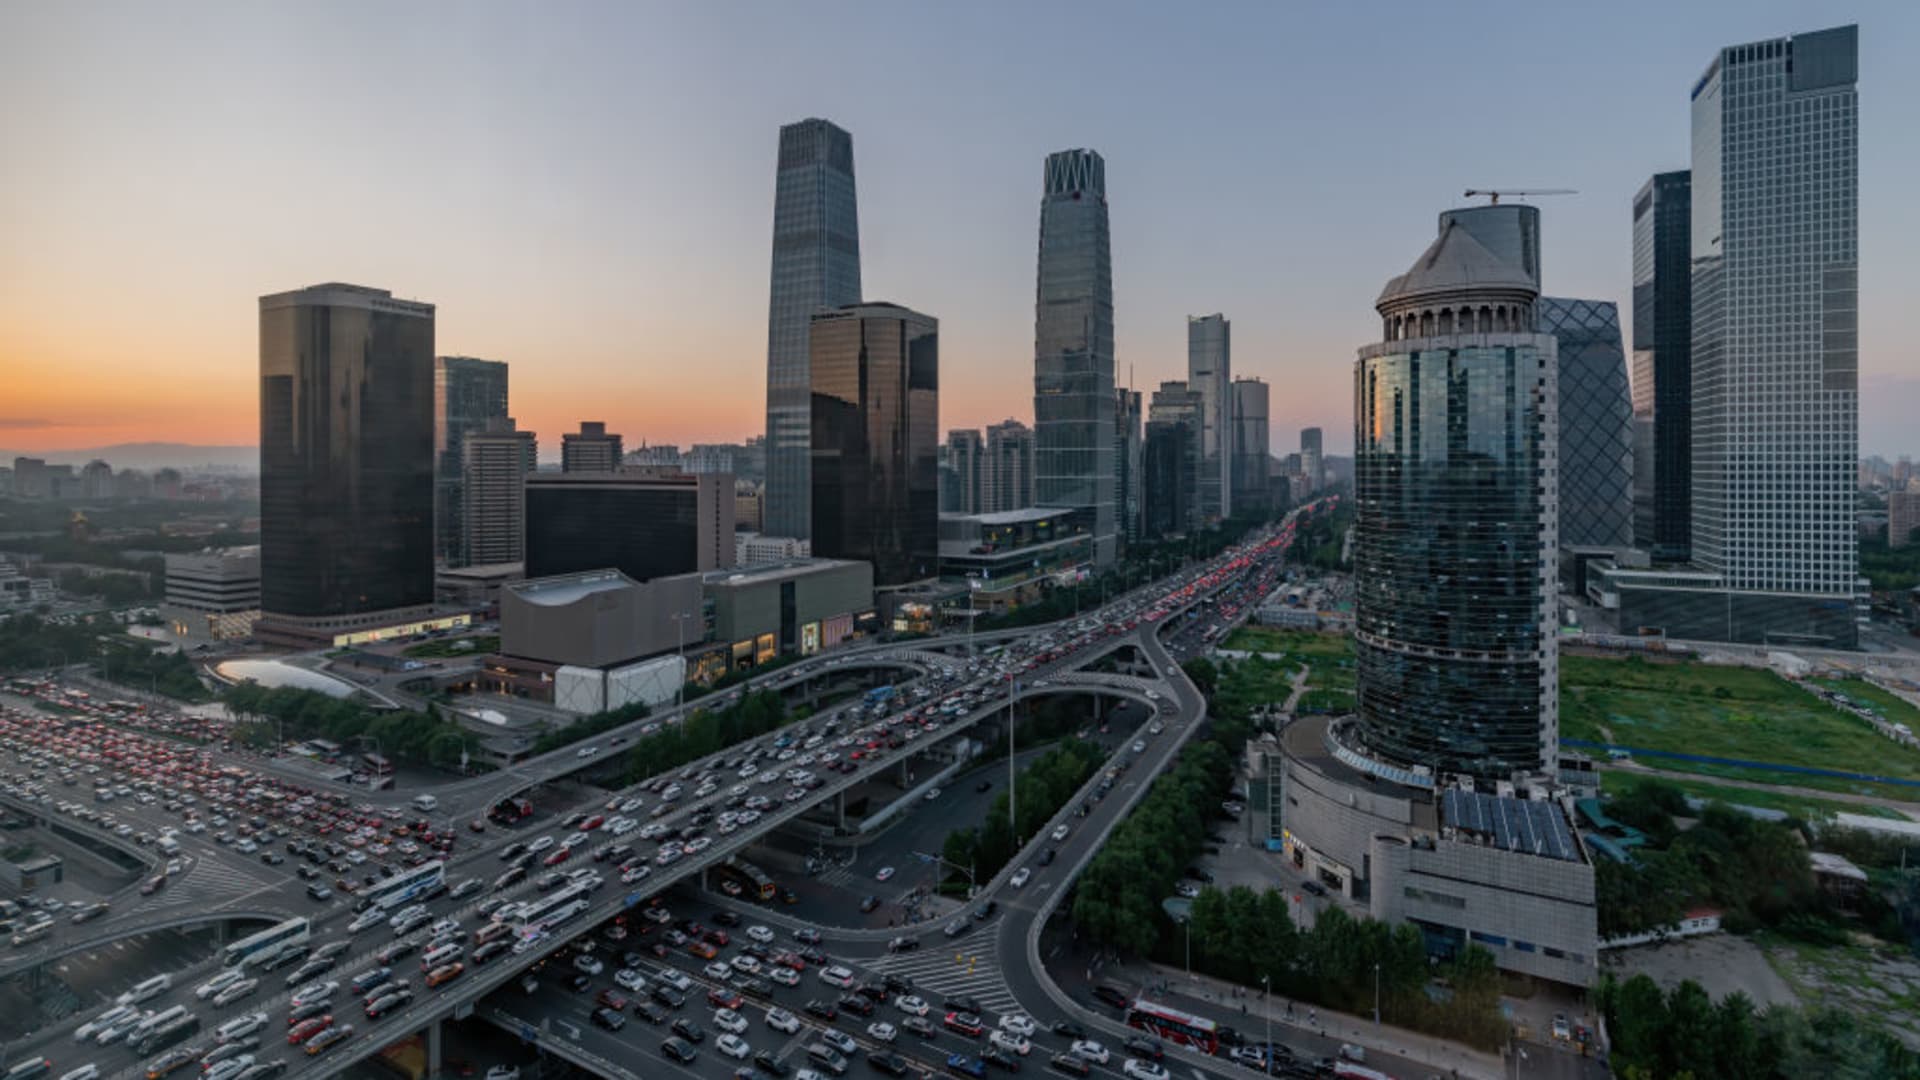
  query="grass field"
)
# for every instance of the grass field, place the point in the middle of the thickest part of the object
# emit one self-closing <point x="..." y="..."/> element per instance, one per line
<point x="1891" y="707"/>
<point x="1726" y="712"/>
<point x="1330" y="656"/>
<point x="1807" y="808"/>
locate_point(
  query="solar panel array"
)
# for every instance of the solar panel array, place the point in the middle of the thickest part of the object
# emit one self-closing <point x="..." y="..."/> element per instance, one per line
<point x="1536" y="828"/>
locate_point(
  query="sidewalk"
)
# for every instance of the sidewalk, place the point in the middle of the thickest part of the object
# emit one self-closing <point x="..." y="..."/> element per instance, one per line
<point x="1432" y="1052"/>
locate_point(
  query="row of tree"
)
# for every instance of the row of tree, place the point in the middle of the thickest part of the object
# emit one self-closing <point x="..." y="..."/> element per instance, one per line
<point x="588" y="726"/>
<point x="31" y="643"/>
<point x="1044" y="787"/>
<point x="1683" y="1034"/>
<point x="705" y="732"/>
<point x="139" y="665"/>
<point x="269" y="714"/>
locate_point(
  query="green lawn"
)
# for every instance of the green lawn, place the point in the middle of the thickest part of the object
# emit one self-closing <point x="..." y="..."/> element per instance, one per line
<point x="1620" y="782"/>
<point x="1330" y="656"/>
<point x="1725" y="712"/>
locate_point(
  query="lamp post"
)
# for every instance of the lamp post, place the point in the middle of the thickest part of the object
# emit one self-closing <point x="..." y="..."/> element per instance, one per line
<point x="1376" y="995"/>
<point x="973" y="610"/>
<point x="680" y="648"/>
<point x="1013" y="819"/>
<point x="1266" y="1008"/>
<point x="972" y="885"/>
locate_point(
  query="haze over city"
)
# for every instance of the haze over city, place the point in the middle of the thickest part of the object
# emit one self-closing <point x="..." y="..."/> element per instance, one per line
<point x="585" y="191"/>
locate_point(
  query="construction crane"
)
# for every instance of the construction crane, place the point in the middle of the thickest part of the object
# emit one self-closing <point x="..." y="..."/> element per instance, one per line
<point x="1495" y="195"/>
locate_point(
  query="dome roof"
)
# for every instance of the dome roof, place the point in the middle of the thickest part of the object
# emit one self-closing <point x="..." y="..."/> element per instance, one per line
<point x="1454" y="262"/>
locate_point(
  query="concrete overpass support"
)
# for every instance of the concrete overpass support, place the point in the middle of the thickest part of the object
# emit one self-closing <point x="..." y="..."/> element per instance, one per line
<point x="433" y="1048"/>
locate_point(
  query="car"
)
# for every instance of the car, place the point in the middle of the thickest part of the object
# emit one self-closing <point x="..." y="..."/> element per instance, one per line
<point x="1020" y="877"/>
<point x="1092" y="1051"/>
<point x="314" y="992"/>
<point x="610" y="1019"/>
<point x="1144" y="1070"/>
<point x="724" y="997"/>
<point x="781" y="1020"/>
<point x="822" y="1010"/>
<point x="679" y="1050"/>
<point x="234" y="992"/>
<point x="963" y="1024"/>
<point x="783" y="975"/>
<point x="903" y="944"/>
<point x="957" y="927"/>
<point x="869" y="903"/>
<point x="733" y="1046"/>
<point x="770" y="1064"/>
<point x="888" y="1062"/>
<point x="1314" y="888"/>
<point x="1010" y="1042"/>
<point x="919" y="1028"/>
<point x="629" y="979"/>
<point x="1067" y="1029"/>
<point x="650" y="1012"/>
<point x="1071" y="1064"/>
<point x="504" y="1072"/>
<point x="729" y="1020"/>
<point x="1561" y="1030"/>
<point x="689" y="1030"/>
<point x="1142" y="1047"/>
<point x="588" y="964"/>
<point x="807" y="935"/>
<point x="1060" y="832"/>
<point x="912" y="1005"/>
<point x="855" y="1004"/>
<point x="839" y="1040"/>
<point x="760" y="933"/>
<point x="587" y="751"/>
<point x="884" y="873"/>
<point x="962" y="1065"/>
<point x="385" y="1003"/>
<point x="1000" y="1059"/>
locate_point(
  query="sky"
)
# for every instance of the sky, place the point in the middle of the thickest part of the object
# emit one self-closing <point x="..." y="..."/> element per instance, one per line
<point x="585" y="190"/>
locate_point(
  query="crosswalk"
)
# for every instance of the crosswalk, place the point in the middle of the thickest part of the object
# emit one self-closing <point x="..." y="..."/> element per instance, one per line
<point x="970" y="968"/>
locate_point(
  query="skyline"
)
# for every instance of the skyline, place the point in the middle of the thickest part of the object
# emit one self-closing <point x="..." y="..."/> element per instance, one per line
<point x="562" y="192"/>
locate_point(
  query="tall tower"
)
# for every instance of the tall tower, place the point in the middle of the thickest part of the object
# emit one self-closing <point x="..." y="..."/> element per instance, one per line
<point x="496" y="462"/>
<point x="1127" y="448"/>
<point x="1252" y="434"/>
<point x="346" y="461"/>
<point x="1073" y="346"/>
<point x="1775" y="239"/>
<point x="1210" y="375"/>
<point x="816" y="264"/>
<point x="1006" y="483"/>
<point x="1662" y="366"/>
<point x="1596" y="423"/>
<point x="1456" y="526"/>
<point x="1311" y="464"/>
<point x="966" y="454"/>
<point x="468" y="393"/>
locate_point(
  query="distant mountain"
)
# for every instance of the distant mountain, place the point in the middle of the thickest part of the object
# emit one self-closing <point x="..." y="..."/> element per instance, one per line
<point x="149" y="456"/>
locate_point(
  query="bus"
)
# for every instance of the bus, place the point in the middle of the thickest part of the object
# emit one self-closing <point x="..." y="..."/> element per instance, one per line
<point x="1175" y="1026"/>
<point x="747" y="877"/>
<point x="880" y="694"/>
<point x="325" y="748"/>
<point x="408" y="885"/>
<point x="377" y="765"/>
<point x="268" y="944"/>
<point x="553" y="909"/>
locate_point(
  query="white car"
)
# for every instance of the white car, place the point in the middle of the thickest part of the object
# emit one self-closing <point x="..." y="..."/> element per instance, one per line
<point x="1018" y="1024"/>
<point x="748" y="963"/>
<point x="1092" y="1051"/>
<point x="588" y="964"/>
<point x="218" y="983"/>
<point x="574" y="841"/>
<point x="781" y="1020"/>
<point x="760" y="933"/>
<point x="587" y="751"/>
<point x="240" y="1027"/>
<point x="629" y="979"/>
<point x="912" y="1005"/>
<point x="932" y="795"/>
<point x="882" y="1030"/>
<point x="312" y="992"/>
<point x="728" y="1020"/>
<point x="733" y="1046"/>
<point x="235" y="992"/>
<point x="783" y="975"/>
<point x="539" y="845"/>
<point x="1008" y="1041"/>
<point x="719" y="969"/>
<point x="885" y="873"/>
<point x="1020" y="877"/>
<point x="1061" y="830"/>
<point x="1143" y="1070"/>
<point x="837" y="976"/>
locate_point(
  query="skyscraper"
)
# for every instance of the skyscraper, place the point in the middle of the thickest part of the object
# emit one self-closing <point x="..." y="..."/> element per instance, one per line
<point x="645" y="523"/>
<point x="876" y="407"/>
<point x="1073" y="345"/>
<point x="346" y="461"/>
<point x="1662" y="366"/>
<point x="467" y="394"/>
<point x="1596" y="423"/>
<point x="1210" y="375"/>
<point x="966" y="454"/>
<point x="1173" y="503"/>
<point x="1775" y="244"/>
<point x="495" y="464"/>
<point x="1127" y="449"/>
<point x="816" y="264"/>
<point x="591" y="449"/>
<point x="1007" y="481"/>
<point x="1310" y="464"/>
<point x="1454" y="536"/>
<point x="1252" y="449"/>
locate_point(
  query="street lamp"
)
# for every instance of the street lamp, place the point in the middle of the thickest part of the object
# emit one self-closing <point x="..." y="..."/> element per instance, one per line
<point x="1013" y="821"/>
<point x="1266" y="1009"/>
<point x="972" y="885"/>
<point x="680" y="648"/>
<point x="1376" y="995"/>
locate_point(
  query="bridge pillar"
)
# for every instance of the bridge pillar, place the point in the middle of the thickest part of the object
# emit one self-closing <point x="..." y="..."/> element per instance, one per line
<point x="840" y="810"/>
<point x="433" y="1048"/>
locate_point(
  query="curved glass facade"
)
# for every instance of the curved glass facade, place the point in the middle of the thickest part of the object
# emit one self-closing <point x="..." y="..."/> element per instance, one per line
<point x="1454" y="496"/>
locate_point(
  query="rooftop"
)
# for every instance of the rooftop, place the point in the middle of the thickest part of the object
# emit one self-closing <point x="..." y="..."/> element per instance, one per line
<point x="1531" y="826"/>
<point x="772" y="571"/>
<point x="564" y="589"/>
<point x="1453" y="262"/>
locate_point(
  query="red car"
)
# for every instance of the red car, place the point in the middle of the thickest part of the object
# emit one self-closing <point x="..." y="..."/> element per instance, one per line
<point x="723" y="997"/>
<point x="964" y="1023"/>
<point x="558" y="857"/>
<point x="790" y="960"/>
<point x="717" y="937"/>
<point x="593" y="823"/>
<point x="308" y="1028"/>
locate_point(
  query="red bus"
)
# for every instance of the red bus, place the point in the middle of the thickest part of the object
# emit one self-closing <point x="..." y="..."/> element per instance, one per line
<point x="377" y="765"/>
<point x="1175" y="1026"/>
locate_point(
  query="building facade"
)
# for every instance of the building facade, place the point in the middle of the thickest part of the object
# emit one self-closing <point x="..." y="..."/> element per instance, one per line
<point x="876" y="410"/>
<point x="495" y="463"/>
<point x="966" y="458"/>
<point x="644" y="523"/>
<point x="212" y="595"/>
<point x="816" y="264"/>
<point x="1596" y="423"/>
<point x="1073" y="345"/>
<point x="1903" y="516"/>
<point x="1252" y="449"/>
<point x="1010" y="559"/>
<point x="592" y="449"/>
<point x="1007" y="480"/>
<point x="1663" y="366"/>
<point x="1168" y="475"/>
<point x="787" y="609"/>
<point x="467" y="394"/>
<point x="346" y="460"/>
<point x="1456" y="525"/>
<point x="1312" y="465"/>
<point x="1210" y="376"/>
<point x="1127" y="447"/>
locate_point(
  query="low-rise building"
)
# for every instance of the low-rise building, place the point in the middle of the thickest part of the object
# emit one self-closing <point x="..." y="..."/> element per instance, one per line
<point x="213" y="595"/>
<point x="476" y="588"/>
<point x="594" y="641"/>
<point x="1009" y="558"/>
<point x="797" y="607"/>
<point x="755" y="549"/>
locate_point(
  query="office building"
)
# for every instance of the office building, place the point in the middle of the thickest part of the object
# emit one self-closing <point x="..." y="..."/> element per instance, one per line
<point x="1014" y="558"/>
<point x="1073" y="345"/>
<point x="1210" y="375"/>
<point x="1456" y="523"/>
<point x="753" y="549"/>
<point x="467" y="394"/>
<point x="18" y="592"/>
<point x="816" y="264"/>
<point x="591" y="642"/>
<point x="1596" y="423"/>
<point x="1311" y="465"/>
<point x="1127" y="448"/>
<point x="966" y="458"/>
<point x="592" y="449"/>
<point x="793" y="608"/>
<point x="476" y="588"/>
<point x="749" y="504"/>
<point x="212" y="595"/>
<point x="495" y="462"/>
<point x="346" y="462"/>
<point x="30" y="478"/>
<point x="876" y="410"/>
<point x="1006" y="483"/>
<point x="644" y="523"/>
<point x="1663" y="366"/>
<point x="96" y="480"/>
<point x="1775" y="357"/>
<point x="1903" y="516"/>
<point x="1251" y="450"/>
<point x="1168" y="476"/>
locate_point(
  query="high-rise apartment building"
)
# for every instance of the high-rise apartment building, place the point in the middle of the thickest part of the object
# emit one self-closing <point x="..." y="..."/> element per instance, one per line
<point x="1663" y="366"/>
<point x="876" y="411"/>
<point x="468" y="393"/>
<point x="1127" y="448"/>
<point x="1596" y="423"/>
<point x="1455" y="533"/>
<point x="816" y="264"/>
<point x="1007" y="479"/>
<point x="645" y="523"/>
<point x="1903" y="517"/>
<point x="495" y="463"/>
<point x="1251" y="446"/>
<point x="1210" y="375"/>
<point x="1311" y="465"/>
<point x="346" y="461"/>
<point x="592" y="449"/>
<point x="966" y="457"/>
<point x="1073" y="345"/>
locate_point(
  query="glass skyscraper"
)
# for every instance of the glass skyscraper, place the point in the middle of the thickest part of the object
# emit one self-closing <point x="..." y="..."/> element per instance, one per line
<point x="1775" y="248"/>
<point x="1455" y="532"/>
<point x="876" y="410"/>
<point x="816" y="264"/>
<point x="467" y="394"/>
<point x="1073" y="346"/>
<point x="346" y="459"/>
<point x="1596" y="423"/>
<point x="1210" y="375"/>
<point x="1662" y="366"/>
